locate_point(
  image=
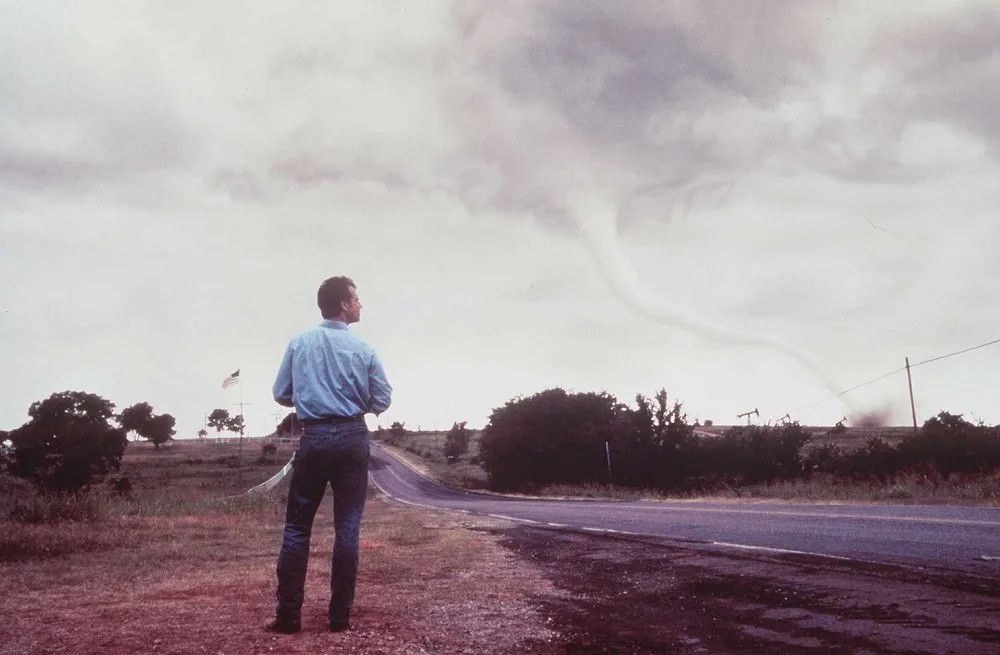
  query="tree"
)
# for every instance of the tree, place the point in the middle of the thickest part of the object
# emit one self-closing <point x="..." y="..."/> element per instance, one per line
<point x="396" y="433"/>
<point x="456" y="442"/>
<point x="550" y="437"/>
<point x="236" y="424"/>
<point x="139" y="418"/>
<point x="161" y="429"/>
<point x="136" y="418"/>
<point x="219" y="419"/>
<point x="202" y="433"/>
<point x="67" y="442"/>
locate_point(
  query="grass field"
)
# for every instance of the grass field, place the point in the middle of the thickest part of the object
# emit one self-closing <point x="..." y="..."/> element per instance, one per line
<point x="182" y="566"/>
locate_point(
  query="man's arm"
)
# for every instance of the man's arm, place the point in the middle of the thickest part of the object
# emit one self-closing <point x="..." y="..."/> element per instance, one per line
<point x="379" y="389"/>
<point x="282" y="389"/>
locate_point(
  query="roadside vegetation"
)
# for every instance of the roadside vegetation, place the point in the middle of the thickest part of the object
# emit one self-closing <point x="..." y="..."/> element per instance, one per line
<point x="590" y="445"/>
<point x="428" y="448"/>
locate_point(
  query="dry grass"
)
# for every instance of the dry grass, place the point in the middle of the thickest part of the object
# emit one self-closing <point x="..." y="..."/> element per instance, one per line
<point x="908" y="489"/>
<point x="176" y="571"/>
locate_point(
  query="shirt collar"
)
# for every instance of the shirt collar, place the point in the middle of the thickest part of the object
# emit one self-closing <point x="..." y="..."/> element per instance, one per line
<point x="333" y="325"/>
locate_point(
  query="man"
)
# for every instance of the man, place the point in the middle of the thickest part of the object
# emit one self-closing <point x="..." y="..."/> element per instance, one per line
<point x="332" y="379"/>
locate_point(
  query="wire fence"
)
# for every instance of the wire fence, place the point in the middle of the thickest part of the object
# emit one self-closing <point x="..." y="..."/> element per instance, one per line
<point x="891" y="373"/>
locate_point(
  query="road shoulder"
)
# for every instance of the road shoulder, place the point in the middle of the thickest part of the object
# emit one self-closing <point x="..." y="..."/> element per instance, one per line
<point x="626" y="595"/>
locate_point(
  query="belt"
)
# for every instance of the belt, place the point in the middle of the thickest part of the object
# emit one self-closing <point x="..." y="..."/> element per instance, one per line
<point x="330" y="420"/>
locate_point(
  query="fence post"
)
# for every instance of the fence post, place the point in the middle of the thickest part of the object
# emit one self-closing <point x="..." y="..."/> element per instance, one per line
<point x="607" y="452"/>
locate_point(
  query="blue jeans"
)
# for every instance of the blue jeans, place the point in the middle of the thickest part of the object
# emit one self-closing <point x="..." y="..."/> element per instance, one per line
<point x="328" y="454"/>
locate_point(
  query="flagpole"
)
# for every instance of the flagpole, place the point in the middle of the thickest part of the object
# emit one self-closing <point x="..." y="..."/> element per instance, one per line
<point x="239" y="450"/>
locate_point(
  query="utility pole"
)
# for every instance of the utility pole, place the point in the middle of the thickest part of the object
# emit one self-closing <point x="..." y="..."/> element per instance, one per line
<point x="607" y="452"/>
<point x="913" y="406"/>
<point x="239" y="450"/>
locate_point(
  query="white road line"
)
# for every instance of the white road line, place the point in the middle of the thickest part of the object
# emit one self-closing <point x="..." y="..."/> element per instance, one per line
<point x="557" y="525"/>
<point x="817" y="515"/>
<point x="990" y="558"/>
<point x="782" y="551"/>
<point x="511" y="518"/>
<point x="595" y="529"/>
<point x="396" y="475"/>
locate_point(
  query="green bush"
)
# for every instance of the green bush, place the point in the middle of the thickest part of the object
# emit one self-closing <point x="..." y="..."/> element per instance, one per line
<point x="751" y="454"/>
<point x="875" y="460"/>
<point x="948" y="444"/>
<point x="558" y="438"/>
<point x="551" y="437"/>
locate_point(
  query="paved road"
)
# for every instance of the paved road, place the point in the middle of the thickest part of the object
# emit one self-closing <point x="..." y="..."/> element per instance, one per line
<point x="953" y="538"/>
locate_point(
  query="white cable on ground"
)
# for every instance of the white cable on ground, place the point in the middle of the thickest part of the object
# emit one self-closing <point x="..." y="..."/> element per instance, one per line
<point x="273" y="481"/>
<point x="266" y="485"/>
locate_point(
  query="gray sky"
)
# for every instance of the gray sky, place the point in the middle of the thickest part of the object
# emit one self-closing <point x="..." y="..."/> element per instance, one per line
<point x="754" y="204"/>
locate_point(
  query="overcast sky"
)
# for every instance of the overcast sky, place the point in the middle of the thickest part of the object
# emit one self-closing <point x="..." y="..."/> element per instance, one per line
<point x="752" y="204"/>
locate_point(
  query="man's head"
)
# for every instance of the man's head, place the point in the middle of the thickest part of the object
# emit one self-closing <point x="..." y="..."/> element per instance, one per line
<point x="338" y="300"/>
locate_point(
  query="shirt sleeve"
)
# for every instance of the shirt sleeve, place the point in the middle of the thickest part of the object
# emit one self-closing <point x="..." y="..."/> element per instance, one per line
<point x="379" y="389"/>
<point x="282" y="389"/>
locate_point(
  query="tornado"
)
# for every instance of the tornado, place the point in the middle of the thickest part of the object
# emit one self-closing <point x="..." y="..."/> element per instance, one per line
<point x="596" y="218"/>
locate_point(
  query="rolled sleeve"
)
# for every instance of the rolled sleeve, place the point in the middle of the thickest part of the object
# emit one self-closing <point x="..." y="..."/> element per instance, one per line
<point x="379" y="389"/>
<point x="282" y="389"/>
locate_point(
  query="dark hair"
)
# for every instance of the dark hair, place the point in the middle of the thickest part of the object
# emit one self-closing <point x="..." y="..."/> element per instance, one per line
<point x="332" y="292"/>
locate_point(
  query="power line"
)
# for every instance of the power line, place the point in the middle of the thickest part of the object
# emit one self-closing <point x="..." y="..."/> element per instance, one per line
<point x="957" y="352"/>
<point x="899" y="370"/>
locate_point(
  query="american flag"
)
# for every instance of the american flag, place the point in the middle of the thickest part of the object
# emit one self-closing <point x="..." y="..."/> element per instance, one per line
<point x="231" y="380"/>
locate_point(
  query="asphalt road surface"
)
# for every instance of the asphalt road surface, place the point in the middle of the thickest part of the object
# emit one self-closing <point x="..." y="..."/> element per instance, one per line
<point x="960" y="539"/>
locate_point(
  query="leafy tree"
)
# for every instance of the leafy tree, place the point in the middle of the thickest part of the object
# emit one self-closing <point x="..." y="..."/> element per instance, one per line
<point x="161" y="429"/>
<point x="236" y="424"/>
<point x="397" y="432"/>
<point x="202" y="434"/>
<point x="633" y="451"/>
<point x="456" y="442"/>
<point x="136" y="418"/>
<point x="139" y="418"/>
<point x="653" y="444"/>
<point x="219" y="419"/>
<point x="550" y="437"/>
<point x="67" y="441"/>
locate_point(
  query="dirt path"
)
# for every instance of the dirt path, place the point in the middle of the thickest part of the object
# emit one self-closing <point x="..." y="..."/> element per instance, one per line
<point x="627" y="595"/>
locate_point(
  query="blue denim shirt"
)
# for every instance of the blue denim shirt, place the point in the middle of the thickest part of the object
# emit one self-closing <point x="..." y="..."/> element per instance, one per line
<point x="327" y="371"/>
